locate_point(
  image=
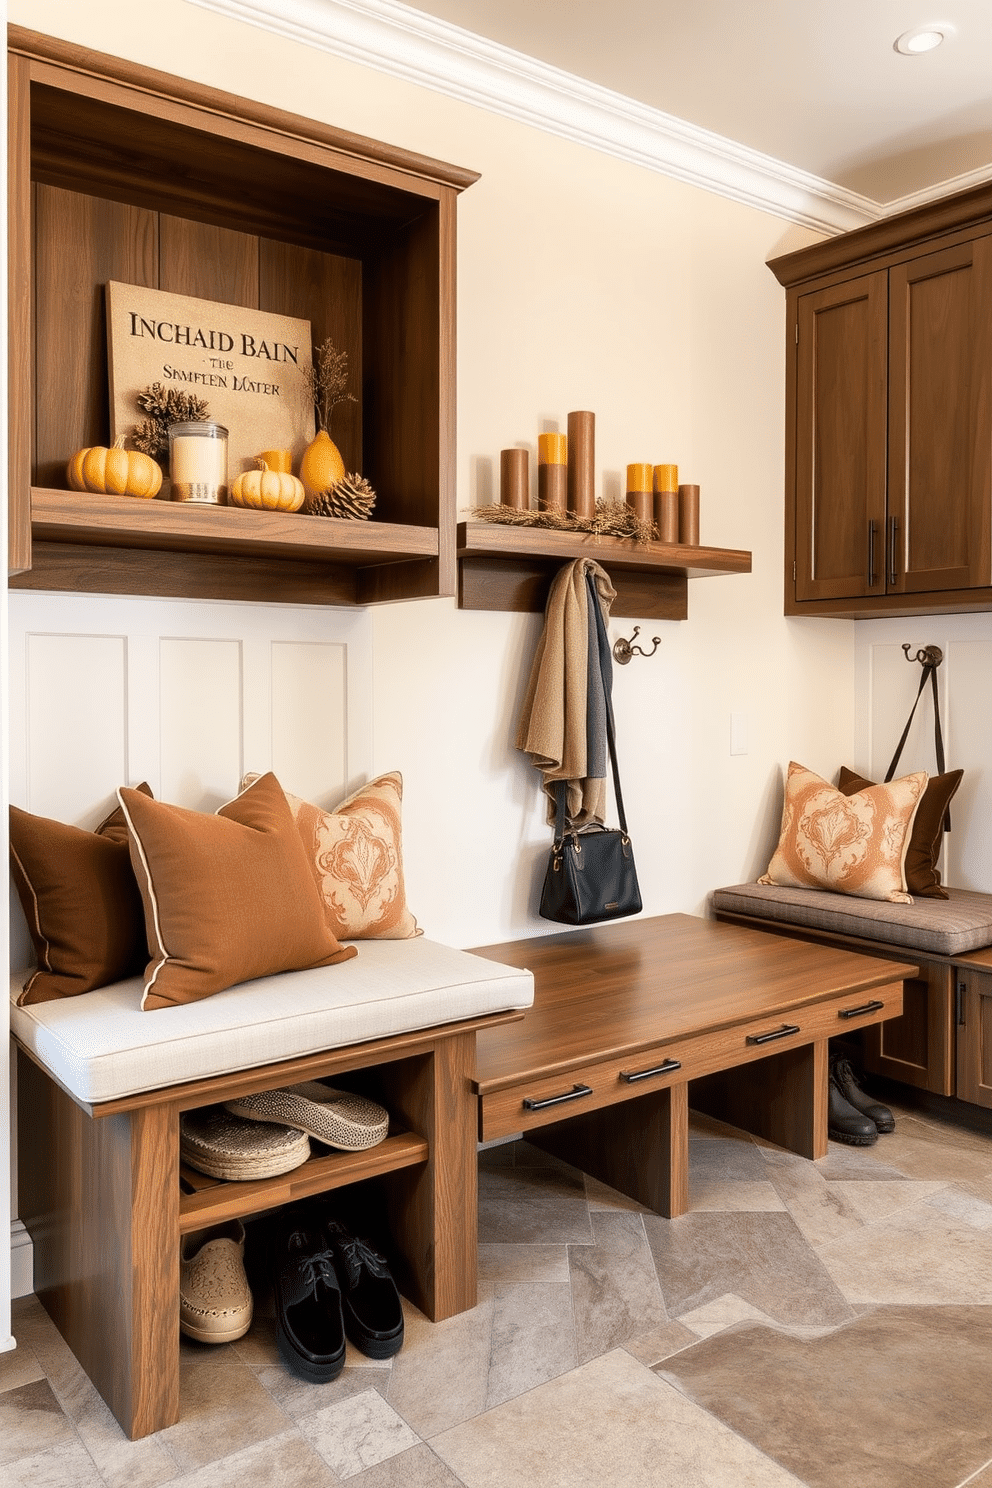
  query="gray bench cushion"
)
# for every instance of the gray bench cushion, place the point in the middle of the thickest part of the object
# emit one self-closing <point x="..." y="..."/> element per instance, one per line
<point x="944" y="927"/>
<point x="101" y="1046"/>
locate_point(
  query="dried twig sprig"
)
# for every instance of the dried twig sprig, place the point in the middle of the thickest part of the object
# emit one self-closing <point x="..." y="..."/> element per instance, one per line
<point x="611" y="519"/>
<point x="164" y="406"/>
<point x="352" y="496"/>
<point x="326" y="380"/>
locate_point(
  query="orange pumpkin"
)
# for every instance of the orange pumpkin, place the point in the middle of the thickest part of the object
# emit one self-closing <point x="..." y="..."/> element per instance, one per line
<point x="114" y="471"/>
<point x="267" y="490"/>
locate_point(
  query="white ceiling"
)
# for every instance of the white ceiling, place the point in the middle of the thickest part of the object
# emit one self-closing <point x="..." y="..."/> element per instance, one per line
<point x="814" y="83"/>
<point x="799" y="107"/>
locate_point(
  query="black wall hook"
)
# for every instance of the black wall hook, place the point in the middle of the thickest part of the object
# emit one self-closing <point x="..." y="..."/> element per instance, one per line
<point x="624" y="651"/>
<point x="928" y="656"/>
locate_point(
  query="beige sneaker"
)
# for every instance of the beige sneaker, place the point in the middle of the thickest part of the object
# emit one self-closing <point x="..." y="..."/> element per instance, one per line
<point x="215" y="1304"/>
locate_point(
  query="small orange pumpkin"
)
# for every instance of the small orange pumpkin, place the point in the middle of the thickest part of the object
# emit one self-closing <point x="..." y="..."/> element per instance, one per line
<point x="267" y="490"/>
<point x="114" y="471"/>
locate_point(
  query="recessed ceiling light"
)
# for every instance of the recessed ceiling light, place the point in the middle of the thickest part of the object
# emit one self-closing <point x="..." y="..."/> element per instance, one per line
<point x="920" y="39"/>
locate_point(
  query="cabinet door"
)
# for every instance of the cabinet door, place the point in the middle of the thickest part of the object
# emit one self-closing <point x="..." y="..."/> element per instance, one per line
<point x="840" y="439"/>
<point x="917" y="1047"/>
<point x="974" y="1037"/>
<point x="940" y="420"/>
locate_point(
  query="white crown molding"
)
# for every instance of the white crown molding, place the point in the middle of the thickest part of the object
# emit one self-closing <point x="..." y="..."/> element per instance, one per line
<point x="396" y="39"/>
<point x="978" y="177"/>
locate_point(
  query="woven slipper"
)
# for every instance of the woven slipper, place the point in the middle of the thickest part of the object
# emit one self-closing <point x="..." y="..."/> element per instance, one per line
<point x="225" y="1146"/>
<point x="335" y="1117"/>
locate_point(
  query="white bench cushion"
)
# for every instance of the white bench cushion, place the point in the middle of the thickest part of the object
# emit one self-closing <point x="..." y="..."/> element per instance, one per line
<point x="101" y="1046"/>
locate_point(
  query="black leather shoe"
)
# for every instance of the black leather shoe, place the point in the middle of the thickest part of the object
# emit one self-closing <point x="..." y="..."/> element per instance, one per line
<point x="373" y="1312"/>
<point x="843" y="1072"/>
<point x="309" y="1320"/>
<point x="844" y="1123"/>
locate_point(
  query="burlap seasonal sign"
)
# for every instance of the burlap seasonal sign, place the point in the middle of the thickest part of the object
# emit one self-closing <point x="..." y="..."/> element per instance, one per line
<point x="247" y="365"/>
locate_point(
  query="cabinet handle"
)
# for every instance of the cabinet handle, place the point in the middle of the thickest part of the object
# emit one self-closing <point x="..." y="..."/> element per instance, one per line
<point x="668" y="1067"/>
<point x="872" y="575"/>
<point x="576" y="1093"/>
<point x="893" y="529"/>
<point x="869" y="1007"/>
<point x="776" y="1033"/>
<point x="959" y="992"/>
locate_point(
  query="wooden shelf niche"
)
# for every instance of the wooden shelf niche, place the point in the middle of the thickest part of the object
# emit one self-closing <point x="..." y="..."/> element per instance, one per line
<point x="118" y="172"/>
<point x="511" y="568"/>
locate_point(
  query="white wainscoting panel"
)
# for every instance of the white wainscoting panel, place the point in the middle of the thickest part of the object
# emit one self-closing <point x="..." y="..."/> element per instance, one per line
<point x="887" y="685"/>
<point x="188" y="696"/>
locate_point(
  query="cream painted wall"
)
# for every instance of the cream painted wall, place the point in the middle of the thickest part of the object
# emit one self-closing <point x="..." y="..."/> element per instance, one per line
<point x="583" y="283"/>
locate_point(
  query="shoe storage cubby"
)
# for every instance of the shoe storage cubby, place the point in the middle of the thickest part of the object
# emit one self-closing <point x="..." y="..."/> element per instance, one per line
<point x="117" y="172"/>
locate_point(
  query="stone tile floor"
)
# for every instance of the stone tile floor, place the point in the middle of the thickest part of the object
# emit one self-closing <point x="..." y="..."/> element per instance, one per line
<point x="826" y="1324"/>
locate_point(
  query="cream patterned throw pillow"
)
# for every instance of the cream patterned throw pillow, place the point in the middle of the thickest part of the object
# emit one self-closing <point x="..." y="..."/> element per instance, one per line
<point x="850" y="844"/>
<point x="356" y="855"/>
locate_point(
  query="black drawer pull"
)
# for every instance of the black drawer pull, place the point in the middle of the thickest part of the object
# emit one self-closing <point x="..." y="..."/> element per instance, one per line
<point x="776" y="1033"/>
<point x="576" y="1093"/>
<point x="630" y="1077"/>
<point x="869" y="1007"/>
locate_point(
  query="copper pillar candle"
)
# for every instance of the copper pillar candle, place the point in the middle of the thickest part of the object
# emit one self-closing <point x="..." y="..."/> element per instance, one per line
<point x="689" y="515"/>
<point x="552" y="472"/>
<point x="514" y="479"/>
<point x="582" y="464"/>
<point x="640" y="492"/>
<point x="278" y="459"/>
<point x="666" y="502"/>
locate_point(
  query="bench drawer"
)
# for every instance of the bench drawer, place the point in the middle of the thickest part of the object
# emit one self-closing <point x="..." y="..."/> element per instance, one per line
<point x="543" y="1098"/>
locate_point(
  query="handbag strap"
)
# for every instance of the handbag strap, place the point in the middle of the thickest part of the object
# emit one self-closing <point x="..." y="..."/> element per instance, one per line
<point x="606" y="673"/>
<point x="929" y="673"/>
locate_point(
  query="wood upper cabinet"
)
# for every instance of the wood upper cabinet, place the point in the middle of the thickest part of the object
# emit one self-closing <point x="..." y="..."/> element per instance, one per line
<point x="889" y="416"/>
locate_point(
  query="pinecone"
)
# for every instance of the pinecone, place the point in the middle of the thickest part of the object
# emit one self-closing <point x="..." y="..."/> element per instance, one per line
<point x="351" y="496"/>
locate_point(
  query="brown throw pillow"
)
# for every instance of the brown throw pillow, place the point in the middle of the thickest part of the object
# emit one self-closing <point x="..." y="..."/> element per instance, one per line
<point x="922" y="873"/>
<point x="81" y="903"/>
<point x="356" y="854"/>
<point x="227" y="897"/>
<point x="850" y="844"/>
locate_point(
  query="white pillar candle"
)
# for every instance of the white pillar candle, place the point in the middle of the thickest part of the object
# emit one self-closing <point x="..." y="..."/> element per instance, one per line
<point x="198" y="463"/>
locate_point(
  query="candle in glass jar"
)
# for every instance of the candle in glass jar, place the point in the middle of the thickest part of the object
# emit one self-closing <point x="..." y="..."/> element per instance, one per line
<point x="198" y="462"/>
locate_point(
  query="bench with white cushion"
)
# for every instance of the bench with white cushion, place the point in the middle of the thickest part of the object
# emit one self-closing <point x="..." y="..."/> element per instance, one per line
<point x="102" y="1085"/>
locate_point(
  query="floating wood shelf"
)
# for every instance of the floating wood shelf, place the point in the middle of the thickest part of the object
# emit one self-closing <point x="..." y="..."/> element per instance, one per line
<point x="118" y="544"/>
<point x="511" y="568"/>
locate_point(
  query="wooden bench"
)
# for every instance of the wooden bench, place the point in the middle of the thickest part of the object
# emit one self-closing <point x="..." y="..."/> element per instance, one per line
<point x="625" y="1016"/>
<point x="101" y="1188"/>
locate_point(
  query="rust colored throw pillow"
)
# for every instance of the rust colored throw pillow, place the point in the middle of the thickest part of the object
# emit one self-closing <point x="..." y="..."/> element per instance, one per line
<point x="227" y="898"/>
<point x="81" y="903"/>
<point x="850" y="844"/>
<point x="356" y="855"/>
<point x="922" y="873"/>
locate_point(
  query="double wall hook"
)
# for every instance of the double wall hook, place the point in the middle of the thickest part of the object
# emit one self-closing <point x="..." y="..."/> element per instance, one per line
<point x="624" y="651"/>
<point x="928" y="656"/>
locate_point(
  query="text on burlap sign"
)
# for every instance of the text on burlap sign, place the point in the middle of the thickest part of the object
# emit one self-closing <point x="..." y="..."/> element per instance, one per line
<point x="247" y="365"/>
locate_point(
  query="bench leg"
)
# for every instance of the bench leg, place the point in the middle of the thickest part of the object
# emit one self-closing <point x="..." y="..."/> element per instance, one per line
<point x="640" y="1147"/>
<point x="100" y="1200"/>
<point x="433" y="1209"/>
<point x="782" y="1098"/>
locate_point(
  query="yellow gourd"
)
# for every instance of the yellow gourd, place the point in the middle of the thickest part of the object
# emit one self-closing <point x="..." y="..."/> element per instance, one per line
<point x="267" y="490"/>
<point x="322" y="465"/>
<point x="114" y="471"/>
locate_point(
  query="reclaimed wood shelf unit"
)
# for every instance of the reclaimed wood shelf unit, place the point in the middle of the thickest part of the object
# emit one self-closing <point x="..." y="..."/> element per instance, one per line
<point x="511" y="568"/>
<point x="119" y="172"/>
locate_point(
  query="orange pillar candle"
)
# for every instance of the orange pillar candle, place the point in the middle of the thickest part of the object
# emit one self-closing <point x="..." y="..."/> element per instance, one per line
<point x="640" y="491"/>
<point x="666" y="502"/>
<point x="582" y="463"/>
<point x="278" y="459"/>
<point x="514" y="479"/>
<point x="689" y="515"/>
<point x="552" y="472"/>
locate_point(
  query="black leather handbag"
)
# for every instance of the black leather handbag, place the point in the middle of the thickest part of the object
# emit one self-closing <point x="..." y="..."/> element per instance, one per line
<point x="591" y="874"/>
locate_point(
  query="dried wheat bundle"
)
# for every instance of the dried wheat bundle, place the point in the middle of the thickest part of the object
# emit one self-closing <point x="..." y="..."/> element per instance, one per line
<point x="611" y="519"/>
